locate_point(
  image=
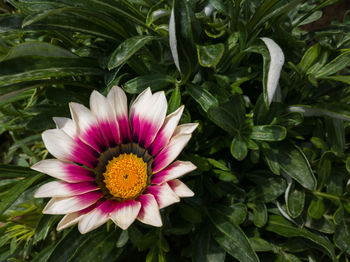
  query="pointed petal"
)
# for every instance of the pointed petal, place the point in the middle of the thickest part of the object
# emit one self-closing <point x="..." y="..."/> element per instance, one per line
<point x="65" y="171"/>
<point x="105" y="116"/>
<point x="125" y="213"/>
<point x="63" y="189"/>
<point x="276" y="63"/>
<point x="149" y="113"/>
<point x="88" y="128"/>
<point x="81" y="152"/>
<point x="134" y="116"/>
<point x="163" y="194"/>
<point x="118" y="100"/>
<point x="166" y="132"/>
<point x="58" y="143"/>
<point x="170" y="152"/>
<point x="175" y="170"/>
<point x="67" y="125"/>
<point x="149" y="212"/>
<point x="97" y="217"/>
<point x="180" y="188"/>
<point x="73" y="218"/>
<point x="185" y="129"/>
<point x="64" y="205"/>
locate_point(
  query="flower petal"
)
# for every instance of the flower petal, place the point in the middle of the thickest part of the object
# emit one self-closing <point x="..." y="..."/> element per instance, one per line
<point x="276" y="63"/>
<point x="149" y="212"/>
<point x="73" y="218"/>
<point x="82" y="153"/>
<point x="88" y="128"/>
<point x="58" y="143"/>
<point x="65" y="171"/>
<point x="170" y="152"/>
<point x="63" y="189"/>
<point x="175" y="170"/>
<point x="64" y="205"/>
<point x="163" y="194"/>
<point x="180" y="188"/>
<point x="135" y="107"/>
<point x="118" y="100"/>
<point x="67" y="125"/>
<point x="166" y="132"/>
<point x="185" y="129"/>
<point x="97" y="217"/>
<point x="150" y="113"/>
<point x="63" y="147"/>
<point x="105" y="115"/>
<point x="125" y="213"/>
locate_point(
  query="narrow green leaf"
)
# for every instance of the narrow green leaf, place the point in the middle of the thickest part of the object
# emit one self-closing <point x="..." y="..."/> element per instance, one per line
<point x="14" y="192"/>
<point x="13" y="171"/>
<point x="340" y="78"/>
<point x="202" y="97"/>
<point x="175" y="100"/>
<point x="127" y="49"/>
<point x="155" y="81"/>
<point x="281" y="226"/>
<point x="324" y="169"/>
<point x="210" y="55"/>
<point x="293" y="162"/>
<point x="309" y="57"/>
<point x="336" y="65"/>
<point x="342" y="237"/>
<point x="268" y="133"/>
<point x="232" y="239"/>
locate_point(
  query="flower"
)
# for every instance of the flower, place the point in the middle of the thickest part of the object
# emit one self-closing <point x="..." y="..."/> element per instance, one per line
<point x="115" y="165"/>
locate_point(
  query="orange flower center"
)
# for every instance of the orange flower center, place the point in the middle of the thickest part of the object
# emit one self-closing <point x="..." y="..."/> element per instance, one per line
<point x="126" y="176"/>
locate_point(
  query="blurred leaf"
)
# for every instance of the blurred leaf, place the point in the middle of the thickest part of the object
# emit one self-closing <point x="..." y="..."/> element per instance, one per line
<point x="342" y="237"/>
<point x="175" y="100"/>
<point x="267" y="189"/>
<point x="336" y="65"/>
<point x="259" y="213"/>
<point x="316" y="208"/>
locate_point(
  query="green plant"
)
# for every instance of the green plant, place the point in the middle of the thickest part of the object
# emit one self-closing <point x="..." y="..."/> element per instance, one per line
<point x="272" y="178"/>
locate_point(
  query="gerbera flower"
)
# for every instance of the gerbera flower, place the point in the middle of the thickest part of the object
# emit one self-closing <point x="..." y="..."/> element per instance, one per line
<point x="115" y="165"/>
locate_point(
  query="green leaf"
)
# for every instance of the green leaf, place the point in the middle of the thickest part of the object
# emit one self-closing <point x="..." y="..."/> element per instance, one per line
<point x="236" y="213"/>
<point x="232" y="239"/>
<point x="324" y="169"/>
<point x="190" y="213"/>
<point x="259" y="213"/>
<point x="267" y="189"/>
<point x="342" y="237"/>
<point x="239" y="148"/>
<point x="268" y="133"/>
<point x="271" y="157"/>
<point x="294" y="163"/>
<point x="206" y="249"/>
<point x="31" y="68"/>
<point x="316" y="208"/>
<point x="175" y="100"/>
<point x="260" y="245"/>
<point x="281" y="226"/>
<point x="309" y="57"/>
<point x="210" y="55"/>
<point x="202" y="97"/>
<point x="336" y="65"/>
<point x="295" y="200"/>
<point x="13" y="171"/>
<point x="340" y="78"/>
<point x="44" y="226"/>
<point x="15" y="191"/>
<point x="155" y="81"/>
<point x="127" y="49"/>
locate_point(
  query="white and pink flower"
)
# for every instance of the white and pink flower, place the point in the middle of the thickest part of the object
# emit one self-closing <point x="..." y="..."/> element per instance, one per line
<point x="115" y="165"/>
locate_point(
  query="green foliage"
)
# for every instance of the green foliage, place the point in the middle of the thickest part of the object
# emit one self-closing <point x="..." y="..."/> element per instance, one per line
<point x="272" y="179"/>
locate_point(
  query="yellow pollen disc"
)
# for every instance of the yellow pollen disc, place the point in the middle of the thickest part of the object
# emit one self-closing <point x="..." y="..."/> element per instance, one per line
<point x="126" y="175"/>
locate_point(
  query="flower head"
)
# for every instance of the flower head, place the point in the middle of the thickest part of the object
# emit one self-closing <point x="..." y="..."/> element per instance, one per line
<point x="115" y="165"/>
